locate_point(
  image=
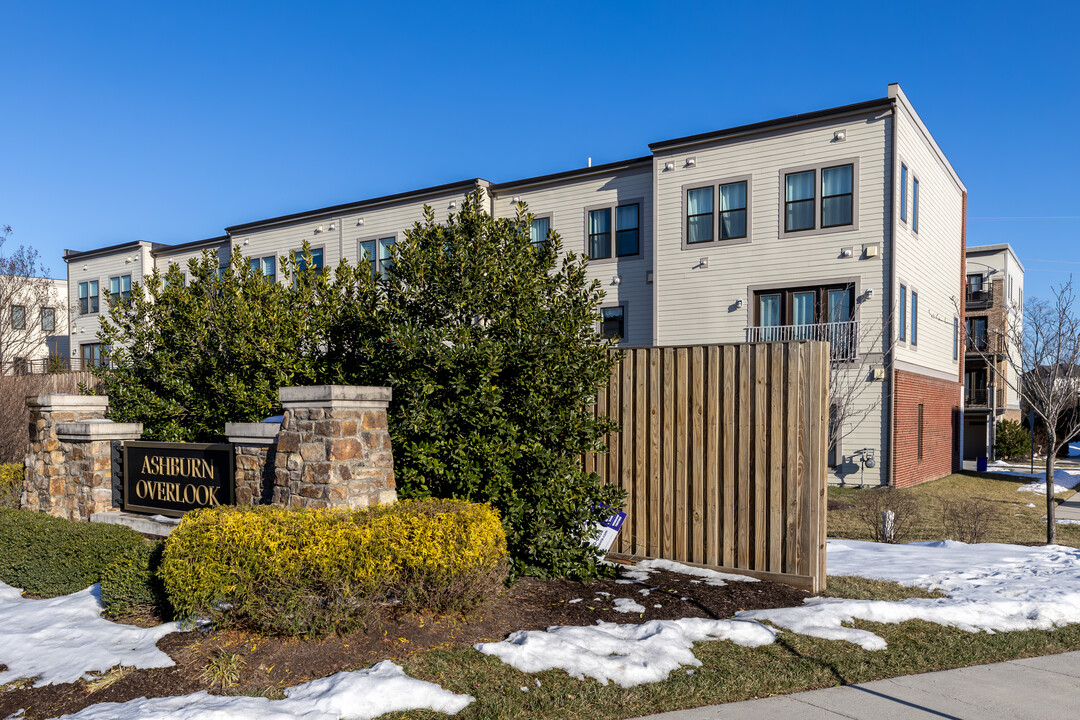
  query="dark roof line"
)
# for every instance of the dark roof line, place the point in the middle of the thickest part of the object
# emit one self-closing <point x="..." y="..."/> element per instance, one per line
<point x="359" y="205"/>
<point x="593" y="169"/>
<point x="753" y="127"/>
<point x="194" y="244"/>
<point x="70" y="255"/>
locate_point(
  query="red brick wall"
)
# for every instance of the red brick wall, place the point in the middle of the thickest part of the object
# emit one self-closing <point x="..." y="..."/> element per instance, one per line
<point x="941" y="408"/>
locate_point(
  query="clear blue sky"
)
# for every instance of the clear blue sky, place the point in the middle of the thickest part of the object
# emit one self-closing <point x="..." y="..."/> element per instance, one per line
<point x="170" y="121"/>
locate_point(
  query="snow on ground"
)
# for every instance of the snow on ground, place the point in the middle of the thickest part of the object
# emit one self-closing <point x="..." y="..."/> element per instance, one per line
<point x="641" y="570"/>
<point x="355" y="695"/>
<point x="990" y="587"/>
<point x="627" y="655"/>
<point x="626" y="605"/>
<point x="63" y="639"/>
<point x="1064" y="480"/>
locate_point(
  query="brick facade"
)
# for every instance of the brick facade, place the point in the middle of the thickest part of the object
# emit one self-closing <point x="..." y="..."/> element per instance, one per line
<point x="940" y="400"/>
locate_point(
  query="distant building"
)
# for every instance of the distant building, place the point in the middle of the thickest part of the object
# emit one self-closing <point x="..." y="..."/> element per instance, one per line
<point x="994" y="302"/>
<point x="844" y="225"/>
<point x="34" y="336"/>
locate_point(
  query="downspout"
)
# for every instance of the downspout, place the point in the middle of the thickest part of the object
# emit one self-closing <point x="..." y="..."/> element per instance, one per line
<point x="890" y="372"/>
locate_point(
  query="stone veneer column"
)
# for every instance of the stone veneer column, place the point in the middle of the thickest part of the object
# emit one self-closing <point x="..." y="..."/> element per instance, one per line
<point x="68" y="463"/>
<point x="334" y="447"/>
<point x="256" y="450"/>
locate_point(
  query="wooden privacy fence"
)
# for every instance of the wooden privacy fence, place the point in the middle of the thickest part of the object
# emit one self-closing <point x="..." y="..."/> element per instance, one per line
<point x="722" y="454"/>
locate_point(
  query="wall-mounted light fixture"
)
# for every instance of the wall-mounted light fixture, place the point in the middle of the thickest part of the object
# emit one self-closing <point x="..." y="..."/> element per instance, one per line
<point x="319" y="229"/>
<point x="703" y="262"/>
<point x="331" y="227"/>
<point x="453" y="204"/>
<point x="839" y="136"/>
<point x="869" y="294"/>
<point x="648" y="276"/>
<point x="691" y="162"/>
<point x="517" y="199"/>
<point x="738" y="304"/>
<point x="669" y="166"/>
<point x="359" y="221"/>
<point x="246" y="241"/>
<point x="616" y="280"/>
<point x="845" y="252"/>
<point x="85" y="268"/>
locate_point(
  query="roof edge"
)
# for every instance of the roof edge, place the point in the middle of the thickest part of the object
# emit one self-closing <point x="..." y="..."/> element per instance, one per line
<point x="578" y="172"/>
<point x="358" y="205"/>
<point x="161" y="250"/>
<point x="998" y="247"/>
<point x="70" y="255"/>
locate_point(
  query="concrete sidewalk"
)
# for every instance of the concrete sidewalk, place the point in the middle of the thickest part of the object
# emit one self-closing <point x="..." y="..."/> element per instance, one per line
<point x="1032" y="689"/>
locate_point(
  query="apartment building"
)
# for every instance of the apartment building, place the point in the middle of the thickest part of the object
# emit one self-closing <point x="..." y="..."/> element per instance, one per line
<point x="994" y="302"/>
<point x="34" y="336"/>
<point x="844" y="225"/>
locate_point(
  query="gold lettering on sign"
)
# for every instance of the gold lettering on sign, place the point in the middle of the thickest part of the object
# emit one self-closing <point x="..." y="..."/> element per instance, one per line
<point x="177" y="467"/>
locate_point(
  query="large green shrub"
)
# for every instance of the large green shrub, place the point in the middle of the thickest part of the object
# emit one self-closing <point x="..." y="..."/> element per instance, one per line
<point x="130" y="583"/>
<point x="488" y="342"/>
<point x="50" y="556"/>
<point x="311" y="572"/>
<point x="1011" y="439"/>
<point x="11" y="483"/>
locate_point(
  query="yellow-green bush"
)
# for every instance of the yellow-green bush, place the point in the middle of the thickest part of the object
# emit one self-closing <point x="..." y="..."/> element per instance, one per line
<point x="11" y="482"/>
<point x="312" y="572"/>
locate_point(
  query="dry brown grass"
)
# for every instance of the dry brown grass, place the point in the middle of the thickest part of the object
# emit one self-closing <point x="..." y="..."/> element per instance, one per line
<point x="1014" y="521"/>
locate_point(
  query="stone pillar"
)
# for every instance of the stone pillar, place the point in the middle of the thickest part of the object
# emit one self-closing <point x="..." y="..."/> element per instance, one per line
<point x="256" y="450"/>
<point x="334" y="447"/>
<point x="68" y="463"/>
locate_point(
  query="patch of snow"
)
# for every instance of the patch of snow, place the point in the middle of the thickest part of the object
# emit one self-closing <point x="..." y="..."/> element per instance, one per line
<point x="63" y="639"/>
<point x="626" y="605"/>
<point x="645" y="591"/>
<point x="658" y="606"/>
<point x="575" y="600"/>
<point x="1031" y="505"/>
<point x="358" y="695"/>
<point x="711" y="577"/>
<point x="602" y="593"/>
<point x="167" y="520"/>
<point x="1066" y="522"/>
<point x="990" y="587"/>
<point x="626" y="582"/>
<point x="627" y="655"/>
<point x="1064" y="480"/>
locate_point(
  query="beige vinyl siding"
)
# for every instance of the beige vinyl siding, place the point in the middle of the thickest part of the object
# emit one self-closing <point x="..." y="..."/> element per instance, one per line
<point x="697" y="305"/>
<point x="392" y="221"/>
<point x="928" y="261"/>
<point x="567" y="202"/>
<point x="163" y="261"/>
<point x="132" y="261"/>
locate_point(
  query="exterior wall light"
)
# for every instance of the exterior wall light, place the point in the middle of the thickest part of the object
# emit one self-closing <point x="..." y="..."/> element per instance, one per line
<point x="453" y="204"/>
<point x="738" y="304"/>
<point x="669" y="166"/>
<point x="359" y="221"/>
<point x="616" y="280"/>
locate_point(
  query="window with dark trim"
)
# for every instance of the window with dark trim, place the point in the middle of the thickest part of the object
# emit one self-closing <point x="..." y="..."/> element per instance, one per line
<point x="48" y="319"/>
<point x="316" y="259"/>
<point x="612" y="323"/>
<point x="903" y="312"/>
<point x="92" y="354"/>
<point x="799" y="200"/>
<point x="920" y="430"/>
<point x="266" y="266"/>
<point x="120" y="288"/>
<point x="88" y="297"/>
<point x="733" y="210"/>
<point x="915" y="205"/>
<point x="699" y="215"/>
<point x="707" y="222"/>
<point x="18" y="317"/>
<point x="378" y="254"/>
<point x="626" y="231"/>
<point x="914" y="318"/>
<point x="538" y="231"/>
<point x="955" y="338"/>
<point x="837" y="195"/>
<point x="835" y="451"/>
<point x="903" y="192"/>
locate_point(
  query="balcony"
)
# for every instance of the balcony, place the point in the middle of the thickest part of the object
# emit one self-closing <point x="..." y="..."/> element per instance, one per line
<point x="50" y="366"/>
<point x="978" y="299"/>
<point x="976" y="397"/>
<point x="983" y="343"/>
<point x="842" y="336"/>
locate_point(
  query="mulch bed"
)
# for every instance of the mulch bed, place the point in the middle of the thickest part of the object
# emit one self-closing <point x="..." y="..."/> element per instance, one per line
<point x="272" y="664"/>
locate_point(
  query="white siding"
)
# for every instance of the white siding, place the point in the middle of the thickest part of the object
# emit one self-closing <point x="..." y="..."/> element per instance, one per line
<point x="928" y="262"/>
<point x="567" y="202"/>
<point x="698" y="304"/>
<point x="130" y="261"/>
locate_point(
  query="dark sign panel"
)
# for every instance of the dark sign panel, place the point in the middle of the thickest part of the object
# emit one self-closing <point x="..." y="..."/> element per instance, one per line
<point x="172" y="478"/>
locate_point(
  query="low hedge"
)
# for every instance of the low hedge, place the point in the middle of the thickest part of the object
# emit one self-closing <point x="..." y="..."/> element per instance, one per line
<point x="130" y="583"/>
<point x="48" y="556"/>
<point x="313" y="572"/>
<point x="11" y="482"/>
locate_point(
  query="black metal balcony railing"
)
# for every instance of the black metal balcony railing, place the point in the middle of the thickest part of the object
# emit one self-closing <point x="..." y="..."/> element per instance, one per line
<point x="979" y="298"/>
<point x="978" y="341"/>
<point x="842" y="336"/>
<point x="976" y="397"/>
<point x="46" y="366"/>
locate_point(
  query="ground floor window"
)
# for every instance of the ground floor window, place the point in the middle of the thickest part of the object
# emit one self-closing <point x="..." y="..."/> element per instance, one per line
<point x="613" y="323"/>
<point x="92" y="354"/>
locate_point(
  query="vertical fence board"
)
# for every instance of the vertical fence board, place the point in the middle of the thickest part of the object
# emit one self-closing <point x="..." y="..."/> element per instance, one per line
<point x="721" y="451"/>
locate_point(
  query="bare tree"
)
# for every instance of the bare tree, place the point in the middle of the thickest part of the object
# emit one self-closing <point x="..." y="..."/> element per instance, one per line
<point x="30" y="307"/>
<point x="1043" y="349"/>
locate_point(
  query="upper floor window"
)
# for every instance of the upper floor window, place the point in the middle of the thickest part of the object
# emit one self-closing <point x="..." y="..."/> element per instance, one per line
<point x="903" y="192"/>
<point x="955" y="338"/>
<point x="48" y="319"/>
<point x="18" y="317"/>
<point x="914" y="318"/>
<point x="88" y="297"/>
<point x="727" y="222"/>
<point x="627" y="228"/>
<point x="612" y="323"/>
<point x="820" y="198"/>
<point x="915" y="205"/>
<point x="538" y="230"/>
<point x="267" y="266"/>
<point x="301" y="261"/>
<point x="378" y="254"/>
<point x="903" y="312"/>
<point x="120" y="288"/>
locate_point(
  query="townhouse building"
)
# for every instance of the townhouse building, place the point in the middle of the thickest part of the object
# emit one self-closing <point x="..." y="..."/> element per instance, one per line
<point x="844" y="225"/>
<point x="34" y="338"/>
<point x="994" y="303"/>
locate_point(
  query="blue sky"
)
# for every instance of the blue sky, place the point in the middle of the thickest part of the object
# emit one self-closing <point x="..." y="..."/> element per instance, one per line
<point x="169" y="122"/>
